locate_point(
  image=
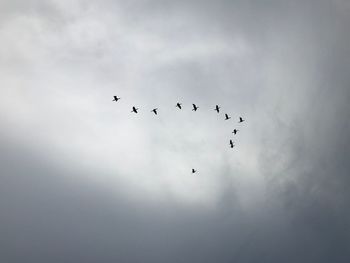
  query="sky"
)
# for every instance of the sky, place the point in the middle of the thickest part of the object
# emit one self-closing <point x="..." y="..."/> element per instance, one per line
<point x="82" y="179"/>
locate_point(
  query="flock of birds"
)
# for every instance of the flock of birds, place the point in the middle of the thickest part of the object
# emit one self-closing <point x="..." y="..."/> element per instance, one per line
<point x="195" y="108"/>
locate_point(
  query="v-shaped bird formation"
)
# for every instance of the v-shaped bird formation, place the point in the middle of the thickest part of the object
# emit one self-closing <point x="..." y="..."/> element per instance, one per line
<point x="194" y="108"/>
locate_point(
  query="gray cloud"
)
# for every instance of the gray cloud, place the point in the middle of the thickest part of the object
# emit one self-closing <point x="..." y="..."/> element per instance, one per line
<point x="83" y="180"/>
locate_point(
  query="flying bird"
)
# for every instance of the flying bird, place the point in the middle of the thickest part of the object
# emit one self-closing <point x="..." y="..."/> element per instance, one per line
<point x="235" y="131"/>
<point x="134" y="109"/>
<point x="217" y="108"/>
<point x="241" y="120"/>
<point x="115" y="98"/>
<point x="231" y="144"/>
<point x="195" y="108"/>
<point x="155" y="111"/>
<point x="227" y="117"/>
<point x="178" y="105"/>
<point x="193" y="170"/>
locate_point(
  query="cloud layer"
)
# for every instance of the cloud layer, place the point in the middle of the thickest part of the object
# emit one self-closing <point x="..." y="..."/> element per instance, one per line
<point x="84" y="180"/>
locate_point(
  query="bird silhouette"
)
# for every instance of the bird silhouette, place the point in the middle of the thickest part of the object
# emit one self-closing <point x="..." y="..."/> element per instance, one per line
<point x="155" y="111"/>
<point x="134" y="109"/>
<point x="241" y="120"/>
<point x="231" y="144"/>
<point x="217" y="108"/>
<point x="178" y="105"/>
<point x="193" y="170"/>
<point x="235" y="131"/>
<point x="195" y="108"/>
<point x="115" y="98"/>
<point x="227" y="117"/>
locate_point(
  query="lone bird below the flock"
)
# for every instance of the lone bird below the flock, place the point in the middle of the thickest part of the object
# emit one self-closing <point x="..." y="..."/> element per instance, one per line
<point x="155" y="111"/>
<point x="195" y="108"/>
<point x="178" y="105"/>
<point x="193" y="170"/>
<point x="115" y="98"/>
<point x="227" y="117"/>
<point x="134" y="109"/>
<point x="217" y="108"/>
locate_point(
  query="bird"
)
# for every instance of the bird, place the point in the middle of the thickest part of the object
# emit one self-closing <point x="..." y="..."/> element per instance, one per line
<point x="231" y="144"/>
<point x="155" y="111"/>
<point x="178" y="105"/>
<point x="235" y="131"/>
<point x="217" y="108"/>
<point x="227" y="117"/>
<point x="195" y="108"/>
<point x="241" y="120"/>
<point x="193" y="170"/>
<point x="134" y="109"/>
<point x="115" y="98"/>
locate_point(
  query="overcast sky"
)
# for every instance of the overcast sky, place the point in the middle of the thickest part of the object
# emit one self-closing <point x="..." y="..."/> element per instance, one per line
<point x="85" y="180"/>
